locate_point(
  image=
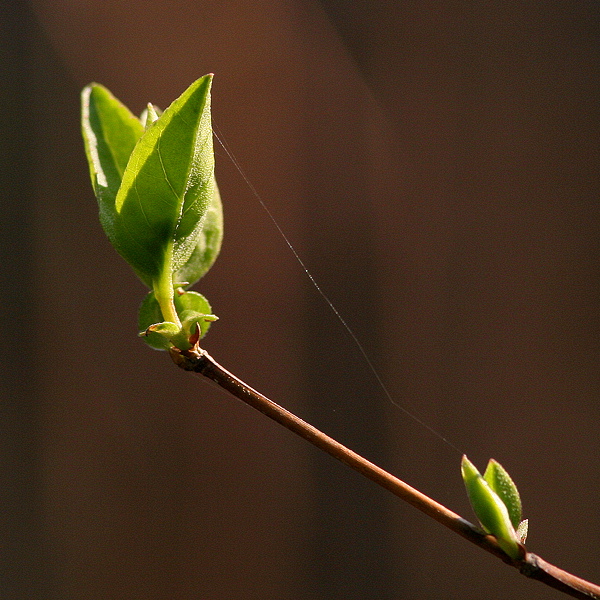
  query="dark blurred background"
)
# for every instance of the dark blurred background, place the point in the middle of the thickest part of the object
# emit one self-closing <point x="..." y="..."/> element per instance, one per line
<point x="436" y="166"/>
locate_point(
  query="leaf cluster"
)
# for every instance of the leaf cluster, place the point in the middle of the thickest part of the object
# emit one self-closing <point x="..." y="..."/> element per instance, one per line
<point x="159" y="204"/>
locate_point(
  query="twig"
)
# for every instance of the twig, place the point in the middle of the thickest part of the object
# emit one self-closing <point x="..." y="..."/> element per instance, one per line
<point x="530" y="565"/>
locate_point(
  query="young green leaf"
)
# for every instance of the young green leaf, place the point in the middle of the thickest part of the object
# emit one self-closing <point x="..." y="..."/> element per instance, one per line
<point x="208" y="244"/>
<point x="110" y="133"/>
<point x="490" y="510"/>
<point x="166" y="331"/>
<point x="167" y="187"/>
<point x="500" y="481"/>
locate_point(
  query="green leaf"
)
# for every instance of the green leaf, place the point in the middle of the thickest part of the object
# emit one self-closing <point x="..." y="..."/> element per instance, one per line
<point x="110" y="133"/>
<point x="192" y="308"/>
<point x="208" y="244"/>
<point x="490" y="510"/>
<point x="167" y="187"/>
<point x="500" y="481"/>
<point x="165" y="330"/>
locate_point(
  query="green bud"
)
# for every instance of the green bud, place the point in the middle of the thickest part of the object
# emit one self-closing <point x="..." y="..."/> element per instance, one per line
<point x="490" y="509"/>
<point x="500" y="481"/>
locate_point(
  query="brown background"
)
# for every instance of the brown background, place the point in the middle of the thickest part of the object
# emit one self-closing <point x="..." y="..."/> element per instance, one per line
<point x="436" y="166"/>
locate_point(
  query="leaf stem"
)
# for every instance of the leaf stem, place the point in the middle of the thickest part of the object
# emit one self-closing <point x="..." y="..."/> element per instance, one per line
<point x="164" y="291"/>
<point x="530" y="565"/>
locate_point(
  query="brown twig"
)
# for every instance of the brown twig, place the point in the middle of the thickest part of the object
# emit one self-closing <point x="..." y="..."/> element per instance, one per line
<point x="530" y="565"/>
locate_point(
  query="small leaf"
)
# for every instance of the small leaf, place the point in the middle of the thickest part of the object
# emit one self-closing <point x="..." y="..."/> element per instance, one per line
<point x="500" y="481"/>
<point x="110" y="133"/>
<point x="167" y="187"/>
<point x="490" y="510"/>
<point x="166" y="329"/>
<point x="208" y="244"/>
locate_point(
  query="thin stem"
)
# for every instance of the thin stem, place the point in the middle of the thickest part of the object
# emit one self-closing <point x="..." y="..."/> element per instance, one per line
<point x="163" y="289"/>
<point x="530" y="565"/>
